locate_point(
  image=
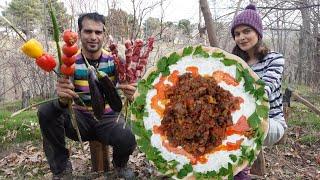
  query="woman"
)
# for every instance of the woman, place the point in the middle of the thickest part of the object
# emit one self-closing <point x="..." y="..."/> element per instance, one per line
<point x="246" y="29"/>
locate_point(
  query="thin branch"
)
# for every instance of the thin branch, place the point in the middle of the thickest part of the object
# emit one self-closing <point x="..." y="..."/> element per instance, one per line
<point x="290" y="8"/>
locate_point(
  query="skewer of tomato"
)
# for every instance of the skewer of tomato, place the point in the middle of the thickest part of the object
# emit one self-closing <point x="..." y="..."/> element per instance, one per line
<point x="69" y="49"/>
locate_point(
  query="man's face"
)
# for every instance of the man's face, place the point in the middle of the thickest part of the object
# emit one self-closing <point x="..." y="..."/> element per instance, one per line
<point x="91" y="35"/>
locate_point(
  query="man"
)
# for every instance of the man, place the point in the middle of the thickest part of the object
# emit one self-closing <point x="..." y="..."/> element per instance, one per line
<point x="54" y="117"/>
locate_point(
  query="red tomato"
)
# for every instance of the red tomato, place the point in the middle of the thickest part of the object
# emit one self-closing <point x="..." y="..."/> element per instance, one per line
<point x="70" y="50"/>
<point x="67" y="70"/>
<point x="46" y="62"/>
<point x="70" y="37"/>
<point x="68" y="60"/>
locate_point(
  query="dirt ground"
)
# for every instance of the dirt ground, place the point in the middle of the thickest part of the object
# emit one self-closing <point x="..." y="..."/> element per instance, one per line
<point x="297" y="158"/>
<point x="291" y="160"/>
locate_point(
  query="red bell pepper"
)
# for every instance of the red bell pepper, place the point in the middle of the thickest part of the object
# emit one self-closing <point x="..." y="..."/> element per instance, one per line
<point x="46" y="62"/>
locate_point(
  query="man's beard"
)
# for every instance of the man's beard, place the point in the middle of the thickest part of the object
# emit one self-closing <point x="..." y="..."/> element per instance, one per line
<point x="93" y="49"/>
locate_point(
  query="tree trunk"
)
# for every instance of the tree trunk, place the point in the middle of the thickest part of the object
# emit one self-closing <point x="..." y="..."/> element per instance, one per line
<point x="305" y="46"/>
<point x="209" y="23"/>
<point x="316" y="55"/>
<point x="133" y="26"/>
<point x="3" y="93"/>
<point x="25" y="98"/>
<point x="51" y="76"/>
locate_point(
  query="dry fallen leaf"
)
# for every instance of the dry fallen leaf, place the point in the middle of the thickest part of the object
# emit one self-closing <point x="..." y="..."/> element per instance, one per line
<point x="318" y="159"/>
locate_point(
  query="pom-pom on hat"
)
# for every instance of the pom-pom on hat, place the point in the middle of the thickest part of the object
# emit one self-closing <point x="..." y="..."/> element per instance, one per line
<point x="249" y="17"/>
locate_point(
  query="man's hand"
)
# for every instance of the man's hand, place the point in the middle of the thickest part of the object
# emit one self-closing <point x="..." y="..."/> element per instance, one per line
<point x="65" y="90"/>
<point x="128" y="89"/>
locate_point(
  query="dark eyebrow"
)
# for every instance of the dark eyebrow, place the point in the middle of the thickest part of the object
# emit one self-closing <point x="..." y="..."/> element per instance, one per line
<point x="245" y="29"/>
<point x="90" y="30"/>
<point x="248" y="28"/>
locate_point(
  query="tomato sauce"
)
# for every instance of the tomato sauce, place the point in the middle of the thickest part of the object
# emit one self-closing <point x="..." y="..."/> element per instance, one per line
<point x="173" y="78"/>
<point x="158" y="130"/>
<point x="160" y="87"/>
<point x="241" y="127"/>
<point x="181" y="151"/>
<point x="194" y="70"/>
<point x="229" y="146"/>
<point x="227" y="78"/>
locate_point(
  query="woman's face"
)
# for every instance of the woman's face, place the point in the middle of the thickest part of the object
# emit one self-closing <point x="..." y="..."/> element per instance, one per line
<point x="245" y="37"/>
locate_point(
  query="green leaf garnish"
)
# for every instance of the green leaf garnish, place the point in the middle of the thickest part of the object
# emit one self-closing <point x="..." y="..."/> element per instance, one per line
<point x="262" y="111"/>
<point x="259" y="134"/>
<point x="187" y="51"/>
<point x="166" y="71"/>
<point x="151" y="78"/>
<point x="251" y="156"/>
<point x="258" y="94"/>
<point x="233" y="157"/>
<point x="254" y="120"/>
<point x="218" y="55"/>
<point x="140" y="100"/>
<point x="200" y="52"/>
<point x="223" y="171"/>
<point x="238" y="75"/>
<point x="162" y="64"/>
<point x="230" y="170"/>
<point x="173" y="59"/>
<point x="248" y="81"/>
<point x="187" y="168"/>
<point x="229" y="62"/>
<point x="142" y="86"/>
<point x="260" y="82"/>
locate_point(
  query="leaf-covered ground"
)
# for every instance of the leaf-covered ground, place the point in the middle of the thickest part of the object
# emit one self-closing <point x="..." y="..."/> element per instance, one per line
<point x="298" y="158"/>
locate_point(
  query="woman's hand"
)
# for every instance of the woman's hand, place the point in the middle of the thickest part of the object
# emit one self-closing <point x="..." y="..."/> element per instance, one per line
<point x="65" y="90"/>
<point x="128" y="89"/>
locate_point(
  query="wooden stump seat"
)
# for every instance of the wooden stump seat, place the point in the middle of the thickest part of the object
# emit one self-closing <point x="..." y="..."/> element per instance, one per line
<point x="100" y="159"/>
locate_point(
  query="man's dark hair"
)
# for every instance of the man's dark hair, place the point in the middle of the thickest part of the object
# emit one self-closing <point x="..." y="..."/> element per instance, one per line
<point x="92" y="16"/>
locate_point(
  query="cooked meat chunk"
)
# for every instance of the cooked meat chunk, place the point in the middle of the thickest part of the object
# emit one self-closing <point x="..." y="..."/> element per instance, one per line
<point x="198" y="114"/>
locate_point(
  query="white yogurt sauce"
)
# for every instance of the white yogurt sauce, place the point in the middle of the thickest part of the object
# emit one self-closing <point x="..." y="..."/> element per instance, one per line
<point x="206" y="66"/>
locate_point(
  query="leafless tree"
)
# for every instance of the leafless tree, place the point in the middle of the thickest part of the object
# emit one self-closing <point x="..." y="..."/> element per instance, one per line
<point x="140" y="10"/>
<point x="209" y="22"/>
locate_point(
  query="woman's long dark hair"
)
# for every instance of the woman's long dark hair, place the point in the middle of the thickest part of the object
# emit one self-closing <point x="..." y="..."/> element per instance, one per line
<point x="260" y="51"/>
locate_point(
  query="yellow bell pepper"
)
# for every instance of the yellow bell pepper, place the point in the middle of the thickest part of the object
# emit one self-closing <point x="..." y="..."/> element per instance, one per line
<point x="32" y="48"/>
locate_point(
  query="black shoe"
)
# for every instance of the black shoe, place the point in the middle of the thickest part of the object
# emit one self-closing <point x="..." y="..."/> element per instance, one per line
<point x="64" y="175"/>
<point x="124" y="172"/>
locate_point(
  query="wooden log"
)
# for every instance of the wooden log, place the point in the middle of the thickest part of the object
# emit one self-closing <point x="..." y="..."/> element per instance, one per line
<point x="286" y="111"/>
<point x="258" y="168"/>
<point x="290" y="93"/>
<point x="106" y="158"/>
<point x="100" y="159"/>
<point x="300" y="99"/>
